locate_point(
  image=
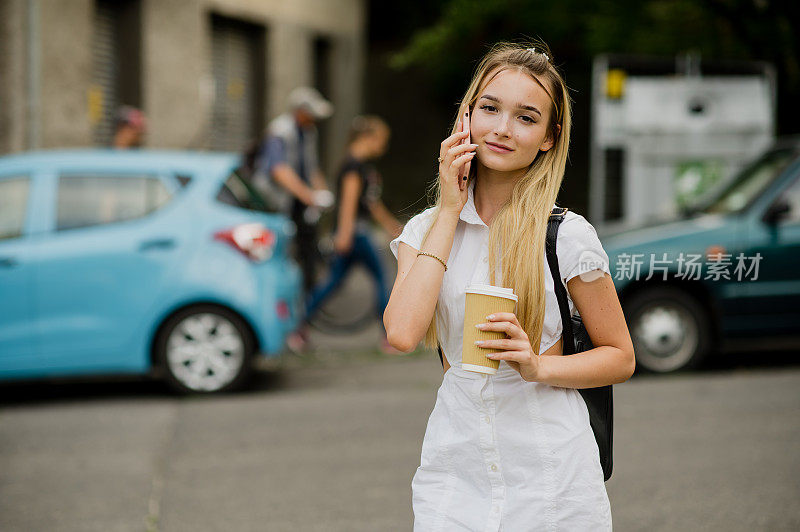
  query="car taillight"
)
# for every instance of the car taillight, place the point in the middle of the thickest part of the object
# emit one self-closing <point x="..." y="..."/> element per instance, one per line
<point x="714" y="253"/>
<point x="282" y="309"/>
<point x="254" y="240"/>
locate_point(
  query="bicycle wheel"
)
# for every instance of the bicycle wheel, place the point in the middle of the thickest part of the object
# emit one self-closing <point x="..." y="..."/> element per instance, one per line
<point x="351" y="305"/>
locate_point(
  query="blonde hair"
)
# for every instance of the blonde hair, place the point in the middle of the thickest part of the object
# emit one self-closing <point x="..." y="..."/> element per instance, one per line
<point x="363" y="125"/>
<point x="522" y="221"/>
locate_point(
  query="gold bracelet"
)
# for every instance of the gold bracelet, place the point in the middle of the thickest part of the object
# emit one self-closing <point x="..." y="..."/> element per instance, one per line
<point x="434" y="256"/>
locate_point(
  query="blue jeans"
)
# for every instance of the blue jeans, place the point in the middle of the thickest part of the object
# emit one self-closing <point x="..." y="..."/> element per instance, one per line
<point x="362" y="252"/>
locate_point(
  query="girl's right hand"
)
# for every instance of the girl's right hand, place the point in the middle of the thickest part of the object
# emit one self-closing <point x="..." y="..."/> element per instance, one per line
<point x="452" y="172"/>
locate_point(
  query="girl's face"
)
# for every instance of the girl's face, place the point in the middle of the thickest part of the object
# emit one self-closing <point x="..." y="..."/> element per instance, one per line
<point x="378" y="142"/>
<point x="509" y="121"/>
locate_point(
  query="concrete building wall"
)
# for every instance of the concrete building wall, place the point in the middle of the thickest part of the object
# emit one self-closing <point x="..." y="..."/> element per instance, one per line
<point x="349" y="61"/>
<point x="65" y="59"/>
<point x="176" y="68"/>
<point x="287" y="40"/>
<point x="13" y="56"/>
<point x="176" y="50"/>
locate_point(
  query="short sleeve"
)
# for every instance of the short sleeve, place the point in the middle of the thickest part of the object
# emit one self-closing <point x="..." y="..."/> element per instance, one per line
<point x="272" y="153"/>
<point x="579" y="249"/>
<point x="414" y="231"/>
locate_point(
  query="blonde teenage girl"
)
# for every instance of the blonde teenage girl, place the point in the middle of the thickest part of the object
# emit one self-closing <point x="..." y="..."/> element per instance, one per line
<point x="511" y="451"/>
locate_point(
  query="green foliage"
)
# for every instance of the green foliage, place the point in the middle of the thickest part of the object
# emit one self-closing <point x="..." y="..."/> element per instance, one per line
<point x="579" y="30"/>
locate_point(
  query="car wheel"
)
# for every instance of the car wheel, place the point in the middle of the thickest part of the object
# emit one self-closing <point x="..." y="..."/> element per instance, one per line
<point x="669" y="328"/>
<point x="205" y="349"/>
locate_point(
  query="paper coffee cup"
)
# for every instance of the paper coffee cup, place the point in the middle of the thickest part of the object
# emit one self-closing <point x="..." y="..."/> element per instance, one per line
<point x="482" y="300"/>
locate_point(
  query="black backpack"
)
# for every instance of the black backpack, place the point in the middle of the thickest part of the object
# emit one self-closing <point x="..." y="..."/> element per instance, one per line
<point x="599" y="401"/>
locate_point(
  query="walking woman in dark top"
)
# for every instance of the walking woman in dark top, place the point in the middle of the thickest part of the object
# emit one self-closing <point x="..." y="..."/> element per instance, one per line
<point x="358" y="203"/>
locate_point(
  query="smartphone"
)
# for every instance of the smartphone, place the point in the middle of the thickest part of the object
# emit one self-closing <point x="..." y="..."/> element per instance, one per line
<point x="468" y="140"/>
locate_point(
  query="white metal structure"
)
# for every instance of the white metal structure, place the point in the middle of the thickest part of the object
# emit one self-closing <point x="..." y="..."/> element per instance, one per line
<point x="664" y="132"/>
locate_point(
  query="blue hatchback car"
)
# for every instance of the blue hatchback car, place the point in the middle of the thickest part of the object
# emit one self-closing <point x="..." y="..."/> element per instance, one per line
<point x="140" y="262"/>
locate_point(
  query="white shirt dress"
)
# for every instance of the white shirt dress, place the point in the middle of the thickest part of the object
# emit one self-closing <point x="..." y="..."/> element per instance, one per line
<point x="500" y="453"/>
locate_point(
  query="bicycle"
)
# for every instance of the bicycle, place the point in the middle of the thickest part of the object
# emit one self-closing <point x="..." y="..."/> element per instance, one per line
<point x="350" y="308"/>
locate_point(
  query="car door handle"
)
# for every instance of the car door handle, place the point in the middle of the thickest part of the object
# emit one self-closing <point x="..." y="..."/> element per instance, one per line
<point x="8" y="262"/>
<point x="157" y="243"/>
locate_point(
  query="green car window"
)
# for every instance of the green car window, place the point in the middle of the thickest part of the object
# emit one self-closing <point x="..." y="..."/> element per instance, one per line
<point x="238" y="192"/>
<point x="750" y="182"/>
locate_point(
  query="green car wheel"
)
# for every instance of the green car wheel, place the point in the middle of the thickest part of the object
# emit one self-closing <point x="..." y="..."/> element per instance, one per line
<point x="670" y="329"/>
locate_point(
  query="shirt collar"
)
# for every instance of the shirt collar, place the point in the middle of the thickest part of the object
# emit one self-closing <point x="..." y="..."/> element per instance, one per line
<point x="469" y="214"/>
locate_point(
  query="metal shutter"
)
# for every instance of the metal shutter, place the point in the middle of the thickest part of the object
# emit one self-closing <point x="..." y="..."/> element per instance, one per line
<point x="104" y="95"/>
<point x="234" y="114"/>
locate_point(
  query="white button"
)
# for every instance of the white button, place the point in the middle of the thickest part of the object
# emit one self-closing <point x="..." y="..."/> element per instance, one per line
<point x="488" y="419"/>
<point x="485" y="259"/>
<point x="496" y="509"/>
<point x="494" y="467"/>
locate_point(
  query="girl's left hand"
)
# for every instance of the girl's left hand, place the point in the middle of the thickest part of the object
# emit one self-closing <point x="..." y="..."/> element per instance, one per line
<point x="517" y="349"/>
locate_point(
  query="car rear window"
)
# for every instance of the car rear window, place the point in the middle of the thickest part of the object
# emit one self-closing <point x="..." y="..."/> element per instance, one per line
<point x="239" y="193"/>
<point x="87" y="200"/>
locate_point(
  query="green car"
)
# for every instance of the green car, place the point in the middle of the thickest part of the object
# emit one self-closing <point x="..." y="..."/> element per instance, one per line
<point x="723" y="277"/>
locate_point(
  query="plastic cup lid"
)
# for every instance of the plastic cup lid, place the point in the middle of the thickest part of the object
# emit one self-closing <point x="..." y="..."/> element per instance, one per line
<point x="489" y="290"/>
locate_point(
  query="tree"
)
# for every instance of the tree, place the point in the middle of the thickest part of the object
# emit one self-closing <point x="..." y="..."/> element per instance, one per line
<point x="578" y="30"/>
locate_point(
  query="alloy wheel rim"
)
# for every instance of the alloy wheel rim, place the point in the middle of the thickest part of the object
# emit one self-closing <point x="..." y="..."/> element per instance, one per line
<point x="205" y="352"/>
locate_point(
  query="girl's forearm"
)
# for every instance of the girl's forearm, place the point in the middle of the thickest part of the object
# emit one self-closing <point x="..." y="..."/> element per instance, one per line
<point x="589" y="369"/>
<point x="385" y="218"/>
<point x="345" y="227"/>
<point x="413" y="300"/>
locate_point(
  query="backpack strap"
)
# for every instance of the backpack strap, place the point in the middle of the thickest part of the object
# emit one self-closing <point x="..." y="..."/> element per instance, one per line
<point x="556" y="217"/>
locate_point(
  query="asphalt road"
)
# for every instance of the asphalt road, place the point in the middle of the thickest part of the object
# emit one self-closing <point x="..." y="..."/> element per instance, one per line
<point x="330" y="442"/>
